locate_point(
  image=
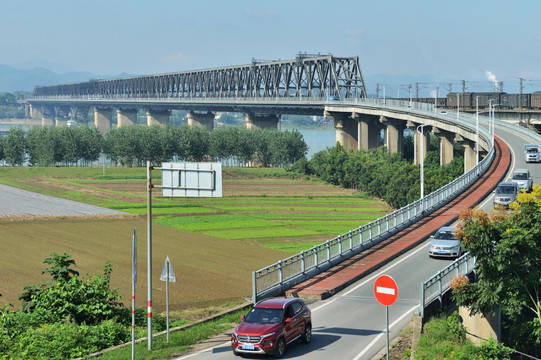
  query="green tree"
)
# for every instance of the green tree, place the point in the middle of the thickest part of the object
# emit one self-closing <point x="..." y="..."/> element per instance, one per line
<point x="508" y="251"/>
<point x="196" y="142"/>
<point x="286" y="147"/>
<point x="69" y="140"/>
<point x="68" y="297"/>
<point x="14" y="149"/>
<point x="2" y="147"/>
<point x="90" y="142"/>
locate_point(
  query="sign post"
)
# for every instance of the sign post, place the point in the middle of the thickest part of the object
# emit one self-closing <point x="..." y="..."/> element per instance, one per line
<point x="386" y="292"/>
<point x="178" y="180"/>
<point x="149" y="253"/>
<point x="134" y="281"/>
<point x="167" y="275"/>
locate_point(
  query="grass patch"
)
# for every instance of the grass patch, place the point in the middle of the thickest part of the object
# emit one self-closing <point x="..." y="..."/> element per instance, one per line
<point x="251" y="233"/>
<point x="214" y="222"/>
<point x="180" y="342"/>
<point x="291" y="247"/>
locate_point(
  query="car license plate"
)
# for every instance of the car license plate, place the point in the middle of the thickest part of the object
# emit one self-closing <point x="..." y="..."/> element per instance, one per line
<point x="442" y="252"/>
<point x="248" y="346"/>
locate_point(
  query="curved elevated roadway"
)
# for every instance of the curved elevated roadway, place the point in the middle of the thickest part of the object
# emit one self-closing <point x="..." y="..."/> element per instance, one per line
<point x="351" y="324"/>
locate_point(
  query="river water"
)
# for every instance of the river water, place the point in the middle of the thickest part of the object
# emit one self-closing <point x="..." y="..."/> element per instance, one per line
<point x="318" y="140"/>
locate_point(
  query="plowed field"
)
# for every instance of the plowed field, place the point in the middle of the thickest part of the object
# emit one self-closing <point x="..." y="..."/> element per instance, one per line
<point x="212" y="265"/>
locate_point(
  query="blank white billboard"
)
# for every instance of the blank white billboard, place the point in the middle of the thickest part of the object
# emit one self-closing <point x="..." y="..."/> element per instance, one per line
<point x="191" y="179"/>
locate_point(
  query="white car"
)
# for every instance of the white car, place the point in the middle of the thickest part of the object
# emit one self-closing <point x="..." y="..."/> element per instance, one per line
<point x="445" y="244"/>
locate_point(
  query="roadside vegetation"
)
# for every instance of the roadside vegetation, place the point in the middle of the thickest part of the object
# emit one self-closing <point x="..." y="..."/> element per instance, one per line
<point x="390" y="177"/>
<point x="445" y="338"/>
<point x="507" y="245"/>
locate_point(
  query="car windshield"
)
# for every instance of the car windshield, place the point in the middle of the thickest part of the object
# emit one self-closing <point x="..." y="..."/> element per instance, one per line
<point x="532" y="150"/>
<point x="505" y="190"/>
<point x="445" y="235"/>
<point x="520" y="176"/>
<point x="264" y="316"/>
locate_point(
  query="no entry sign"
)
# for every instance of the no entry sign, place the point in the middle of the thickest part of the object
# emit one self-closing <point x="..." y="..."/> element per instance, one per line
<point x="385" y="290"/>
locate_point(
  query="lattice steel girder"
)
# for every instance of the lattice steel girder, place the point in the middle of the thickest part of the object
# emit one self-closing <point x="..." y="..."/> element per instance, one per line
<point x="314" y="76"/>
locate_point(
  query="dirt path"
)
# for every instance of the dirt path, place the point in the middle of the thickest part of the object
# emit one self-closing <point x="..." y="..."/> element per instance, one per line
<point x="17" y="202"/>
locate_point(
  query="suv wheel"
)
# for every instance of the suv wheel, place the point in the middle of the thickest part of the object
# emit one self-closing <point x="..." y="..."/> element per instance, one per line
<point x="307" y="334"/>
<point x="280" y="348"/>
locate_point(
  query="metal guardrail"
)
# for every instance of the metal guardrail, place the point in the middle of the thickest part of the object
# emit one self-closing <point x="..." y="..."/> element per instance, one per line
<point x="286" y="273"/>
<point x="435" y="287"/>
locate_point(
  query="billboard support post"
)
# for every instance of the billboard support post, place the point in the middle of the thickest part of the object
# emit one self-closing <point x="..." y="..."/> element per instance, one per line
<point x="149" y="253"/>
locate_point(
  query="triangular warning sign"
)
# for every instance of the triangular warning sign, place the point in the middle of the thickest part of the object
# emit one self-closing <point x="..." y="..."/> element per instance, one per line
<point x="167" y="272"/>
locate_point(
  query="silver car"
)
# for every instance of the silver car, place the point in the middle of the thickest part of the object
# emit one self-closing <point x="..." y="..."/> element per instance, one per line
<point x="444" y="243"/>
<point x="523" y="178"/>
<point x="506" y="192"/>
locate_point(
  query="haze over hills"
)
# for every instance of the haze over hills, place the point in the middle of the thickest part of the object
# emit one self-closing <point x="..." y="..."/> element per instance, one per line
<point x="24" y="80"/>
<point x="13" y="79"/>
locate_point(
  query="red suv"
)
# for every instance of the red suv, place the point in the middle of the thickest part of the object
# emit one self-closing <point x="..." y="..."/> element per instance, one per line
<point x="272" y="324"/>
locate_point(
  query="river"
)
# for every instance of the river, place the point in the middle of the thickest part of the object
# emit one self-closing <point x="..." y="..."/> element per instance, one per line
<point x="318" y="139"/>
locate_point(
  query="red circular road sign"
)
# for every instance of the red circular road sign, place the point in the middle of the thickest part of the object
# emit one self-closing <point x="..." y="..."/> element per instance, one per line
<point x="385" y="290"/>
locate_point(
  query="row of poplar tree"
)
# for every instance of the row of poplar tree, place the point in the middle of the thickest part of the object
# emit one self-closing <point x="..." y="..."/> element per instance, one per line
<point x="134" y="145"/>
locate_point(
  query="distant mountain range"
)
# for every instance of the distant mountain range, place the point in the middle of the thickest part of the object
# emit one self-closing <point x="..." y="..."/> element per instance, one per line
<point x="19" y="80"/>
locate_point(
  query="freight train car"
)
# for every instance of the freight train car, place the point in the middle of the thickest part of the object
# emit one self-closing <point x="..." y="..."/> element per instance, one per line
<point x="536" y="100"/>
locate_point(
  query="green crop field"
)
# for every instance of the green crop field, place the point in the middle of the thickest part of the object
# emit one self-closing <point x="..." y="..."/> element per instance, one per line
<point x="214" y="244"/>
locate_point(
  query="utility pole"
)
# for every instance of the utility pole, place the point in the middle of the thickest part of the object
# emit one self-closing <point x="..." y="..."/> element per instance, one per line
<point x="377" y="91"/>
<point x="463" y="85"/>
<point x="449" y="87"/>
<point x="520" y="88"/>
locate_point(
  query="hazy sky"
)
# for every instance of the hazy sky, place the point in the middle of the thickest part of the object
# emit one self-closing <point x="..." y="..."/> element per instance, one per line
<point x="459" y="39"/>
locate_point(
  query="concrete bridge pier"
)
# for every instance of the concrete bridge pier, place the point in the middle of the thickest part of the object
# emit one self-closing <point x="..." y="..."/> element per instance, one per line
<point x="470" y="158"/>
<point x="125" y="117"/>
<point x="58" y="119"/>
<point x="368" y="131"/>
<point x="157" y="117"/>
<point x="345" y="130"/>
<point x="198" y="119"/>
<point x="47" y="118"/>
<point x="394" y="134"/>
<point x="73" y="112"/>
<point x="102" y="119"/>
<point x="261" y="121"/>
<point x="38" y="113"/>
<point x="446" y="145"/>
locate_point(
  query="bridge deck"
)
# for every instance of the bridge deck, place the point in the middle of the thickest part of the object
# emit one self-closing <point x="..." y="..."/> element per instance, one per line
<point x="347" y="272"/>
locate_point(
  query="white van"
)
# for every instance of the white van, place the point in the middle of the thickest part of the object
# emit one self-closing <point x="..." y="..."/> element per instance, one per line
<point x="531" y="153"/>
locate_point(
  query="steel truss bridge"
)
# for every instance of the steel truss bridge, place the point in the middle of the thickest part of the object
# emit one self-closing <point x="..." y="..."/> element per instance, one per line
<point x="305" y="78"/>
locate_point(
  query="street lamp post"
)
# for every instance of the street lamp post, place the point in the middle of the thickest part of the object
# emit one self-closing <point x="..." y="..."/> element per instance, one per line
<point x="491" y="117"/>
<point x="422" y="166"/>
<point x="457" y="105"/>
<point x="476" y="130"/>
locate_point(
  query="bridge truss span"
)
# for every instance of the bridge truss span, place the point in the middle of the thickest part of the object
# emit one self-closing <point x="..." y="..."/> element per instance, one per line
<point x="311" y="76"/>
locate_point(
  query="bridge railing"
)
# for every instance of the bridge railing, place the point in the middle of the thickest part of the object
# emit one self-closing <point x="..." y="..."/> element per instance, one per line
<point x="435" y="288"/>
<point x="286" y="273"/>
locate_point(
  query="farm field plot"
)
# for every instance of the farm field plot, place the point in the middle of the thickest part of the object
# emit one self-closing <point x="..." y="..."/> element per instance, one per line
<point x="213" y="243"/>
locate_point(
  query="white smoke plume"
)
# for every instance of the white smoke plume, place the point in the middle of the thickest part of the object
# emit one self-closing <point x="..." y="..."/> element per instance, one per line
<point x="492" y="77"/>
